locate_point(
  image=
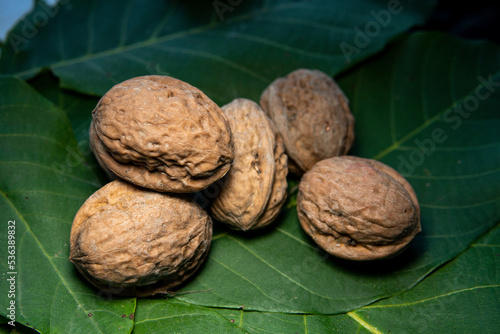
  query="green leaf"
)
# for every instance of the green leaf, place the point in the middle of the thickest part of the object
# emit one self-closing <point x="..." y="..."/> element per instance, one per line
<point x="173" y="316"/>
<point x="78" y="108"/>
<point x="427" y="106"/>
<point x="43" y="183"/>
<point x="436" y="121"/>
<point x="170" y="316"/>
<point x="283" y="271"/>
<point x="462" y="297"/>
<point x="92" y="45"/>
<point x="457" y="183"/>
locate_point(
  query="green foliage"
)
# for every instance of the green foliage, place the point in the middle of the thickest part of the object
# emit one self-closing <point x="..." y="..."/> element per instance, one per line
<point x="425" y="103"/>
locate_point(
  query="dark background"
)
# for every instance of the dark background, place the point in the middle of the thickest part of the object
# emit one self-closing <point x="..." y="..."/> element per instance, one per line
<point x="477" y="19"/>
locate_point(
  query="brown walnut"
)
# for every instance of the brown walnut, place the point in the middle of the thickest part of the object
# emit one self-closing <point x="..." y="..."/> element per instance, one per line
<point x="357" y="209"/>
<point x="254" y="190"/>
<point x="135" y="242"/>
<point x="161" y="133"/>
<point x="312" y="115"/>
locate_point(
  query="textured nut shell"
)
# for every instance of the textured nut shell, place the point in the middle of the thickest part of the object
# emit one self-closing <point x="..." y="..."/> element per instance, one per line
<point x="95" y="145"/>
<point x="278" y="191"/>
<point x="394" y="174"/>
<point x="136" y="242"/>
<point x="161" y="133"/>
<point x="255" y="187"/>
<point x="357" y="209"/>
<point x="312" y="114"/>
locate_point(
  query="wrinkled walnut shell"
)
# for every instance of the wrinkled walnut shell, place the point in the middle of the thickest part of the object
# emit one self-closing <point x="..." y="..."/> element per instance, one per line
<point x="254" y="190"/>
<point x="357" y="209"/>
<point x="161" y="133"/>
<point x="312" y="115"/>
<point x="135" y="242"/>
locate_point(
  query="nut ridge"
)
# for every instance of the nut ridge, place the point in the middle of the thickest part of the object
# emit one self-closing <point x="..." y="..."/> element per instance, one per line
<point x="312" y="115"/>
<point x="254" y="190"/>
<point x="135" y="242"/>
<point x="161" y="133"/>
<point x="357" y="209"/>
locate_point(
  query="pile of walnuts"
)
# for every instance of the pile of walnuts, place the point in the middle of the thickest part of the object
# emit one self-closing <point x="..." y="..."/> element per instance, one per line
<point x="162" y="141"/>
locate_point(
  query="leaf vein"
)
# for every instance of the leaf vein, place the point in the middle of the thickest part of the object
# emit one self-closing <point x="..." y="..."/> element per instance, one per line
<point x="48" y="217"/>
<point x="164" y="21"/>
<point x="49" y="258"/>
<point x="454" y="177"/>
<point x="459" y="207"/>
<point x="173" y="316"/>
<point x="280" y="272"/>
<point x="363" y="323"/>
<point x="424" y="125"/>
<point x="280" y="46"/>
<point x="28" y="135"/>
<point x="246" y="279"/>
<point x="217" y="58"/>
<point x="124" y="23"/>
<point x="480" y="287"/>
<point x="51" y="169"/>
<point x="295" y="238"/>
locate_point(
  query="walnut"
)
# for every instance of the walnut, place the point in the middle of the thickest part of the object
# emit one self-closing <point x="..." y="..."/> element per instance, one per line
<point x="357" y="209"/>
<point x="312" y="115"/>
<point x="161" y="133"/>
<point x="254" y="190"/>
<point x="135" y="242"/>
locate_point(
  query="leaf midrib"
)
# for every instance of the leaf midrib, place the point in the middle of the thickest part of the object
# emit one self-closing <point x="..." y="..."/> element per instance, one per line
<point x="155" y="40"/>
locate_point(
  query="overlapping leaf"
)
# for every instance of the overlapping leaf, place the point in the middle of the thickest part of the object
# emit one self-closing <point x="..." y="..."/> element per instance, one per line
<point x="427" y="106"/>
<point x="43" y="183"/>
<point x="280" y="271"/>
<point x="92" y="45"/>
<point x="456" y="178"/>
<point x="462" y="297"/>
